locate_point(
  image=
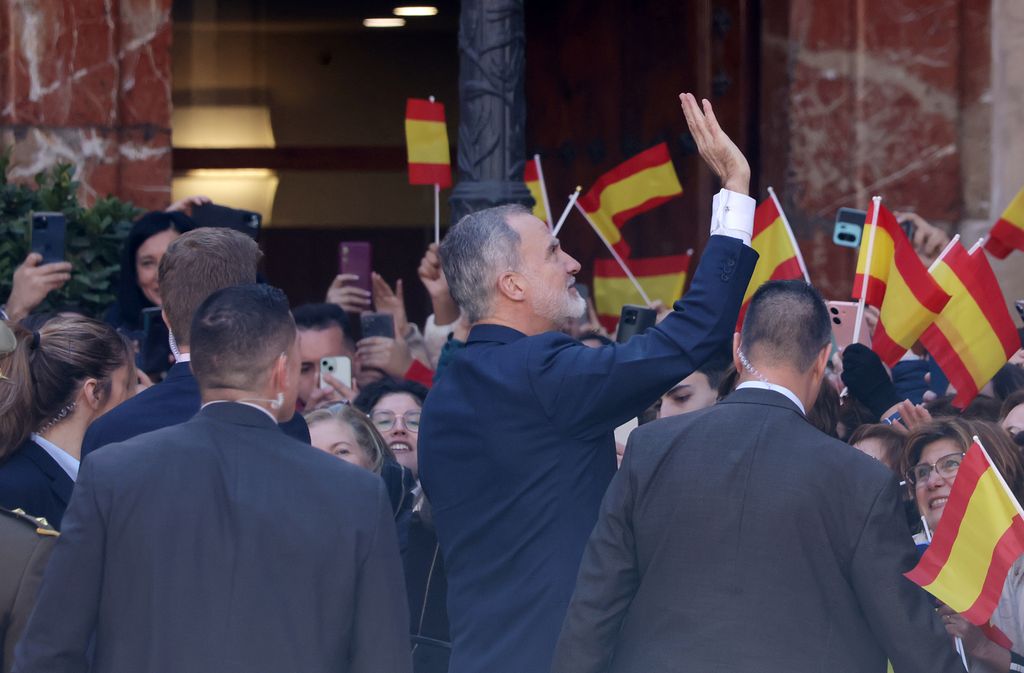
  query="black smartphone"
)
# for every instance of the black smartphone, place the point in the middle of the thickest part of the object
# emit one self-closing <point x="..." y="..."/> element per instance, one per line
<point x="909" y="228"/>
<point x="1019" y="304"/>
<point x="634" y="320"/>
<point x="849" y="227"/>
<point x="48" y="233"/>
<point x="214" y="215"/>
<point x="377" y="325"/>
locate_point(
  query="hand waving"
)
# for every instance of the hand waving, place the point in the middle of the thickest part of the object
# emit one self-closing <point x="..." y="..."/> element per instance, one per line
<point x="716" y="148"/>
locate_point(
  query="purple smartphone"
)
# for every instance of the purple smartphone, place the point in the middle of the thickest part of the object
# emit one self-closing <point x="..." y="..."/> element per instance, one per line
<point x="355" y="257"/>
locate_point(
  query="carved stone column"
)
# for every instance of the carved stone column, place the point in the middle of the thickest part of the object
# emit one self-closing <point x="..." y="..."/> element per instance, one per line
<point x="492" y="107"/>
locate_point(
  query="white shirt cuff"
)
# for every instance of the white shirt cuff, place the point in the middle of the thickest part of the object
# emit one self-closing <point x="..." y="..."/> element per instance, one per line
<point x="732" y="214"/>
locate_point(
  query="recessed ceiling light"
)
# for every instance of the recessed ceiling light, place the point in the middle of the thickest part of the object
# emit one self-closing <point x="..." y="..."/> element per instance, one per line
<point x="423" y="10"/>
<point x="384" y="22"/>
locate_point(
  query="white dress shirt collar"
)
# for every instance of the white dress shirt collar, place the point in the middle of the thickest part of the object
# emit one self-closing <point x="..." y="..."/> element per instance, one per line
<point x="67" y="462"/>
<point x="782" y="390"/>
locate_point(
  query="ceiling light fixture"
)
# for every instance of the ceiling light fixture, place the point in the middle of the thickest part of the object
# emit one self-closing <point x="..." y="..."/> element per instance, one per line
<point x="424" y="10"/>
<point x="384" y="22"/>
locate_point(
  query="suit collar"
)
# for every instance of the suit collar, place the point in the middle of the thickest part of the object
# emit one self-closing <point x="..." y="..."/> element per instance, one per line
<point x="60" y="482"/>
<point x="179" y="370"/>
<point x="238" y="414"/>
<point x="769" y="398"/>
<point x="498" y="333"/>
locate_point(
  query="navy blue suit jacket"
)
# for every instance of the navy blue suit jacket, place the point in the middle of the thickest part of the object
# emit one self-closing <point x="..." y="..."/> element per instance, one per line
<point x="516" y="451"/>
<point x="170" y="402"/>
<point x="33" y="481"/>
<point x="221" y="544"/>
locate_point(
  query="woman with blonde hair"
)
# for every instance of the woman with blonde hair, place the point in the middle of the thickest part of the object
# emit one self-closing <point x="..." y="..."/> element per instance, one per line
<point x="349" y="434"/>
<point x="54" y="383"/>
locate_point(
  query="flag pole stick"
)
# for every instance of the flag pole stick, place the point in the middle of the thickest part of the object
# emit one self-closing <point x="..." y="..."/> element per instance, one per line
<point x="622" y="264"/>
<point x="876" y="201"/>
<point x="957" y="640"/>
<point x="789" y="233"/>
<point x="980" y="242"/>
<point x="543" y="186"/>
<point x="945" y="251"/>
<point x="437" y="213"/>
<point x="565" y="213"/>
<point x="437" y="204"/>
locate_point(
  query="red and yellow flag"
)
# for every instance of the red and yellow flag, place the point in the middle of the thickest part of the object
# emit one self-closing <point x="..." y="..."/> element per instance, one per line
<point x="974" y="335"/>
<point x="1007" y="234"/>
<point x="661" y="278"/>
<point x="538" y="190"/>
<point x="777" y="257"/>
<point x="913" y="302"/>
<point x="888" y="239"/>
<point x="635" y="186"/>
<point x="426" y="138"/>
<point x="980" y="535"/>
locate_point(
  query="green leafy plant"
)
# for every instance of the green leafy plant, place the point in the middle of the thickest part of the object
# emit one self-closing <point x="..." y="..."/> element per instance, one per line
<point x="92" y="244"/>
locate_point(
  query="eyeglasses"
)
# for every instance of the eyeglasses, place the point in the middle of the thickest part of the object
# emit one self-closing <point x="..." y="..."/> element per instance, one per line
<point x="385" y="420"/>
<point x="946" y="466"/>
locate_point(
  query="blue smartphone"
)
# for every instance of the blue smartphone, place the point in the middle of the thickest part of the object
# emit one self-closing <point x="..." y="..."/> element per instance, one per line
<point x="849" y="227"/>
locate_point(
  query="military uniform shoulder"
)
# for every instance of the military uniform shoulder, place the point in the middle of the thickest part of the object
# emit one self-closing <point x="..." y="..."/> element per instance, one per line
<point x="38" y="523"/>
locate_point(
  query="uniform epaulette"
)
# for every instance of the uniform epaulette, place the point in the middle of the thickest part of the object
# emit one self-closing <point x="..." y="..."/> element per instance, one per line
<point x="41" y="525"/>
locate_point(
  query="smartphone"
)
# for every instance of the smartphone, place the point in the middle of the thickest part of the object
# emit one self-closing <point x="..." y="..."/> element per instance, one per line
<point x="340" y="367"/>
<point x="1019" y="305"/>
<point x="844" y="316"/>
<point x="214" y="215"/>
<point x="909" y="228"/>
<point x="355" y="257"/>
<point x="849" y="227"/>
<point x="48" y="232"/>
<point x="634" y="320"/>
<point x="377" y="325"/>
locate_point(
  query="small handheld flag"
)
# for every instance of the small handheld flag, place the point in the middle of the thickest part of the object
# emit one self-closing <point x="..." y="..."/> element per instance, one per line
<point x="980" y="535"/>
<point x="533" y="177"/>
<point x="426" y="139"/>
<point x="635" y="186"/>
<point x="1007" y="234"/>
<point x="778" y="256"/>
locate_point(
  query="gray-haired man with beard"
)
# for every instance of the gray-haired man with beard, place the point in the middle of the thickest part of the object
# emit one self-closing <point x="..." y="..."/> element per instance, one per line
<point x="516" y="446"/>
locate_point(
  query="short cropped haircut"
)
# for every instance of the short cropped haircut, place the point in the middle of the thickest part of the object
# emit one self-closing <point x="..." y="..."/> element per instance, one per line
<point x="238" y="333"/>
<point x="197" y="264"/>
<point x="475" y="252"/>
<point x="787" y="322"/>
<point x="320" y="317"/>
<point x="373" y="393"/>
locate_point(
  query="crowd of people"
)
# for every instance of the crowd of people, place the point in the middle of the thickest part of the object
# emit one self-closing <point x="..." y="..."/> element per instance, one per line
<point x="185" y="486"/>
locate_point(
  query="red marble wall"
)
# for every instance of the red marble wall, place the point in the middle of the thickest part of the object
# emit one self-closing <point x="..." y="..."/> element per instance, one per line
<point x="865" y="97"/>
<point x="89" y="82"/>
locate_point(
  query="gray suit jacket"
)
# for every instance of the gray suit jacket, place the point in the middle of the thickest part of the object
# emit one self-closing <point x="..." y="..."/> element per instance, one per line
<point x="222" y="545"/>
<point x="740" y="538"/>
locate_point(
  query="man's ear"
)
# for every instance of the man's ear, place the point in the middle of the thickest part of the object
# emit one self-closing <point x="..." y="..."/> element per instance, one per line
<point x="735" y="352"/>
<point x="279" y="373"/>
<point x="163" y="315"/>
<point x="821" y="362"/>
<point x="511" y="285"/>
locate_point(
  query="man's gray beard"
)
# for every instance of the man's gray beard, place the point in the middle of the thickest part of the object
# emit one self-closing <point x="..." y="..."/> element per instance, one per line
<point x="561" y="308"/>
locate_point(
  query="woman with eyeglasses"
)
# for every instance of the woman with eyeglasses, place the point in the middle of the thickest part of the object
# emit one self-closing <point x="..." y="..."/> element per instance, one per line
<point x="394" y="407"/>
<point x="930" y="461"/>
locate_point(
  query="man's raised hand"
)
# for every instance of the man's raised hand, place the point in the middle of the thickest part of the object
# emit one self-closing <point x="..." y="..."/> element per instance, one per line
<point x="717" y="149"/>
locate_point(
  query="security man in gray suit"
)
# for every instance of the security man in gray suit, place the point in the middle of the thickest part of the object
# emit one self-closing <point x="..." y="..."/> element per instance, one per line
<point x="222" y="545"/>
<point x="741" y="538"/>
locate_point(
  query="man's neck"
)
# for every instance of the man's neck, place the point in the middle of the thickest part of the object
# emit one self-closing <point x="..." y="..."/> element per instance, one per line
<point x="262" y="399"/>
<point x="529" y="326"/>
<point x="794" y="383"/>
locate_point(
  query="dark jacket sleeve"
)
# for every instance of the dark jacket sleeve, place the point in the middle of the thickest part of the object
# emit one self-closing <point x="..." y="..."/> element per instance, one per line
<point x="607" y="582"/>
<point x="58" y="632"/>
<point x="380" y="640"/>
<point x="592" y="390"/>
<point x="899" y="612"/>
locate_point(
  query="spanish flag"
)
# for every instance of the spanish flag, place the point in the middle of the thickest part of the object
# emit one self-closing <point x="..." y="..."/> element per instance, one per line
<point x="532" y="176"/>
<point x="777" y="258"/>
<point x="887" y="240"/>
<point x="1008" y="232"/>
<point x="913" y="302"/>
<point x="661" y="278"/>
<point x="426" y="138"/>
<point x="980" y="535"/>
<point x="974" y="335"/>
<point x="633" y="187"/>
